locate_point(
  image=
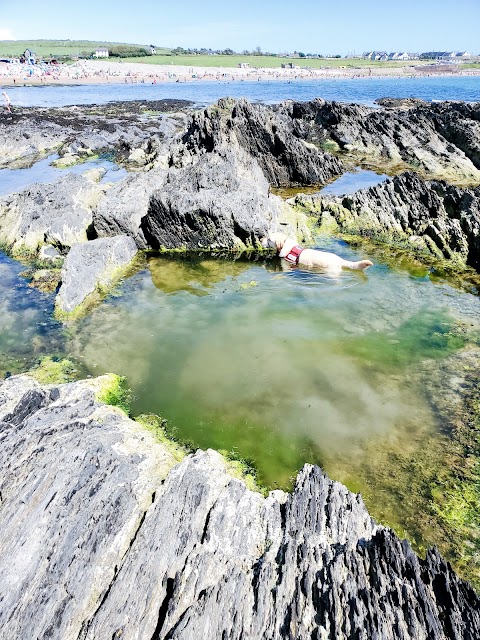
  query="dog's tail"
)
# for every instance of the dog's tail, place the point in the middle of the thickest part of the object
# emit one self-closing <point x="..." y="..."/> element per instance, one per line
<point x="361" y="264"/>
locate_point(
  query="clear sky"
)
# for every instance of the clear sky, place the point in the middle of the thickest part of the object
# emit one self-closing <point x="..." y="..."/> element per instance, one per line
<point x="311" y="26"/>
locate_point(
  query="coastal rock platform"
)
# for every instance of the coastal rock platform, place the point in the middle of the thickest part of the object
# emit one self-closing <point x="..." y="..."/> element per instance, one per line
<point x="106" y="533"/>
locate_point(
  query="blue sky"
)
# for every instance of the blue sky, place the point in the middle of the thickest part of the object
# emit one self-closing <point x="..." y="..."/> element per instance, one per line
<point x="316" y="26"/>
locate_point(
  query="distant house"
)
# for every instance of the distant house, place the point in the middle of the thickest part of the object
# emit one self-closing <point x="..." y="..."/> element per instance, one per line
<point x="152" y="50"/>
<point x="376" y="55"/>
<point x="244" y="65"/>
<point x="101" y="52"/>
<point x="402" y="55"/>
<point x="290" y="65"/>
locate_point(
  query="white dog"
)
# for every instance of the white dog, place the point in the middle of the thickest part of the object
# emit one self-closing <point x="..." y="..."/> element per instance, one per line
<point x="288" y="248"/>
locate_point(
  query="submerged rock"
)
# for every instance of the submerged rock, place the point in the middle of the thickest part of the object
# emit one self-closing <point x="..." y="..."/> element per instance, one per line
<point x="103" y="537"/>
<point x="89" y="270"/>
<point x="438" y="217"/>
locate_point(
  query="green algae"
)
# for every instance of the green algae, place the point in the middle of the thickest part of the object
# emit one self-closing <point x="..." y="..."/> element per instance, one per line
<point x="116" y="392"/>
<point x="425" y="335"/>
<point x="160" y="429"/>
<point x="51" y="370"/>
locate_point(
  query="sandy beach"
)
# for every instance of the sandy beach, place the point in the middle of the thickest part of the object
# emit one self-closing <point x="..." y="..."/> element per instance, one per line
<point x="107" y="71"/>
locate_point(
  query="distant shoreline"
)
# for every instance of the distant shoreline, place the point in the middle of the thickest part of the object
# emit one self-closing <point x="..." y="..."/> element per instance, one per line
<point x="108" y="72"/>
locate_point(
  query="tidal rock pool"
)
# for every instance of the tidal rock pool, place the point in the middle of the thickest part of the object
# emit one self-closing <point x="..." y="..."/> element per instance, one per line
<point x="359" y="373"/>
<point x="43" y="171"/>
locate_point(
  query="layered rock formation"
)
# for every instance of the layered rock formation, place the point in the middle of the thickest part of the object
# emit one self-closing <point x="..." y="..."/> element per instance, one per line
<point x="123" y="128"/>
<point x="58" y="214"/>
<point x="222" y="200"/>
<point x="433" y="215"/>
<point x="437" y="140"/>
<point x="266" y="134"/>
<point x="90" y="269"/>
<point x="103" y="537"/>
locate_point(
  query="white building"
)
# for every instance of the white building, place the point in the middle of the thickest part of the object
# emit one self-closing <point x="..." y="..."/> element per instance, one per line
<point x="101" y="52"/>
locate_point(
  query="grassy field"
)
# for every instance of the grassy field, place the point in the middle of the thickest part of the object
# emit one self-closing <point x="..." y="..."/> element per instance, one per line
<point x="266" y="61"/>
<point x="57" y="48"/>
<point x="47" y="48"/>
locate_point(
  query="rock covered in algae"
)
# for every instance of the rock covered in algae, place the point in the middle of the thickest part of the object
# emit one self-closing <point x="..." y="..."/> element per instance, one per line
<point x="92" y="268"/>
<point x="103" y="536"/>
<point x="440" y="141"/>
<point x="441" y="218"/>
<point x="59" y="213"/>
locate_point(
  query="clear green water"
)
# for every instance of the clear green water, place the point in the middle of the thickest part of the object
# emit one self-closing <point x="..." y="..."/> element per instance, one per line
<point x="283" y="367"/>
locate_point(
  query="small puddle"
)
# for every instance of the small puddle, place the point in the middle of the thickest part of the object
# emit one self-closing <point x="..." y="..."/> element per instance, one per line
<point x="353" y="181"/>
<point x="15" y="180"/>
<point x="347" y="183"/>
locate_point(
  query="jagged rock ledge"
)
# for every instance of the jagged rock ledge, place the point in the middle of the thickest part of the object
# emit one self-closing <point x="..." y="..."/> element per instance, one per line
<point x="433" y="216"/>
<point x="105" y="534"/>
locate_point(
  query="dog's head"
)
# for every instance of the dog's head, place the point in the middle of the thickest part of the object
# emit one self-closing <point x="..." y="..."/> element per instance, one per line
<point x="274" y="240"/>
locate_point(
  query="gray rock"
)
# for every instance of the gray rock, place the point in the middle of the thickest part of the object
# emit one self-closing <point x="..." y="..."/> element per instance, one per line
<point x="102" y="537"/>
<point x="126" y="203"/>
<point x="122" y="128"/>
<point x="267" y="134"/>
<point x="58" y="214"/>
<point x="438" y="140"/>
<point x="49" y="253"/>
<point x="90" y="269"/>
<point x="220" y="201"/>
<point x="442" y="218"/>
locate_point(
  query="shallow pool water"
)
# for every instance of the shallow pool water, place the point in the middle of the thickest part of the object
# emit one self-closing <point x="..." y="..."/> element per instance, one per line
<point x="283" y="366"/>
<point x="27" y="329"/>
<point x="277" y="364"/>
<point x="351" y="181"/>
<point x="15" y="180"/>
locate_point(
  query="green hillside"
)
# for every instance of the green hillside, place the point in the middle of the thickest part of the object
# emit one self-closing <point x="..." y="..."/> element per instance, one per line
<point x="265" y="62"/>
<point x="57" y="48"/>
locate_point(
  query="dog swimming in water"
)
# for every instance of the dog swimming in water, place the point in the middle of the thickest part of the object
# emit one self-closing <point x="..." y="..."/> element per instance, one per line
<point x="287" y="248"/>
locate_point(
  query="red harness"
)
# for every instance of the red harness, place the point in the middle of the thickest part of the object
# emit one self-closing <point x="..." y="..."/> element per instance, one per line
<point x="294" y="254"/>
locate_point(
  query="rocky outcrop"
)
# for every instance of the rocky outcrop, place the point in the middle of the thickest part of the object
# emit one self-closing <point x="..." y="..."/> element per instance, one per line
<point x="438" y="217"/>
<point x="90" y="269"/>
<point x="103" y="537"/>
<point x="205" y="177"/>
<point x="137" y="129"/>
<point x="127" y="203"/>
<point x="59" y="214"/>
<point x="267" y="135"/>
<point x="221" y="201"/>
<point x="437" y="140"/>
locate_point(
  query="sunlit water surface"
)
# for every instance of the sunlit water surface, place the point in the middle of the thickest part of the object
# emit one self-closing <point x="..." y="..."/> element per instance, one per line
<point x="43" y="171"/>
<point x="364" y="90"/>
<point x="279" y="365"/>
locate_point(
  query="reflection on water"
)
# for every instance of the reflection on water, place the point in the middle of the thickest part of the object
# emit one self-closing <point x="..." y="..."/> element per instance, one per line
<point x="284" y="366"/>
<point x="15" y="180"/>
<point x="27" y="330"/>
<point x="352" y="181"/>
<point x="193" y="275"/>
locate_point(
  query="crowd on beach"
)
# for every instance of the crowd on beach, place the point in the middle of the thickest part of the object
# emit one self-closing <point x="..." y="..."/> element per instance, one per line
<point x="102" y="71"/>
